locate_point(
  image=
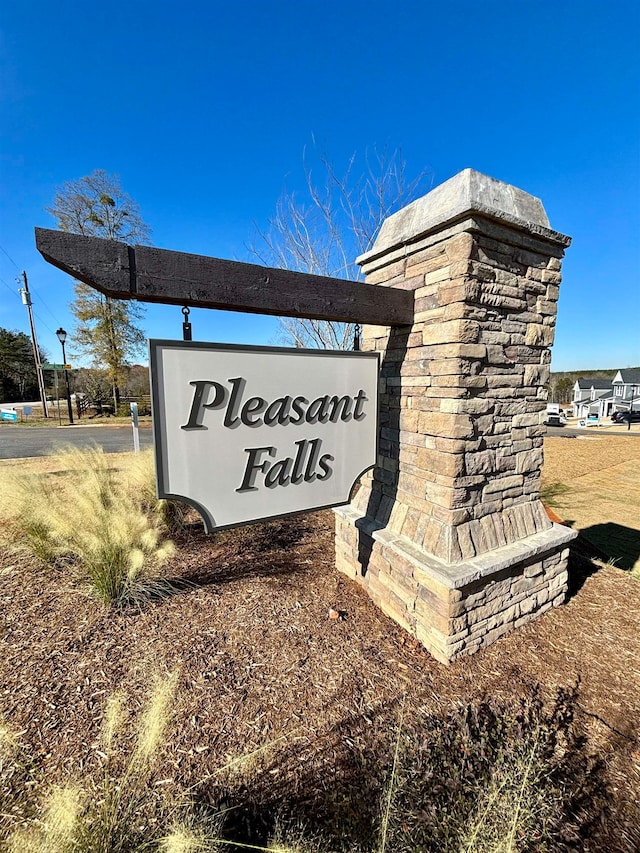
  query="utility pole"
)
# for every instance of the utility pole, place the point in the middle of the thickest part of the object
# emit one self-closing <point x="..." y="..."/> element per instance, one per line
<point x="26" y="300"/>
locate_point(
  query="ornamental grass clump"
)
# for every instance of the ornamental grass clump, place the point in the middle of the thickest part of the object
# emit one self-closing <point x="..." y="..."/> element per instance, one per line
<point x="111" y="810"/>
<point x="95" y="520"/>
<point x="141" y="479"/>
<point x="119" y="806"/>
<point x="122" y="801"/>
<point x="55" y="830"/>
<point x="484" y="779"/>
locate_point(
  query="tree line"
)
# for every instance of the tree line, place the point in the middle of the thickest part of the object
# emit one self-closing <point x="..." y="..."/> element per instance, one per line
<point x="18" y="377"/>
<point x="336" y="220"/>
<point x="19" y="382"/>
<point x="322" y="234"/>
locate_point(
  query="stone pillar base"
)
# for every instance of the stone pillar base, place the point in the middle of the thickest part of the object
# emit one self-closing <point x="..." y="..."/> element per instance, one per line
<point x="454" y="609"/>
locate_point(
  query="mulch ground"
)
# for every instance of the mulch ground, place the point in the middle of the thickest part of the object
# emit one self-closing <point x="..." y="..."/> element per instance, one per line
<point x="261" y="663"/>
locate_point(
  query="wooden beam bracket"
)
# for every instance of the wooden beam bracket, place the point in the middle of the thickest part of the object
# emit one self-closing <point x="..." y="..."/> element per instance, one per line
<point x="148" y="274"/>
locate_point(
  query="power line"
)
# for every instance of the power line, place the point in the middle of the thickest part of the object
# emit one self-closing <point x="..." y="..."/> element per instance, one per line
<point x="35" y="290"/>
<point x="10" y="258"/>
<point x="42" y="302"/>
<point x="17" y="295"/>
<point x="43" y="323"/>
<point x="15" y="292"/>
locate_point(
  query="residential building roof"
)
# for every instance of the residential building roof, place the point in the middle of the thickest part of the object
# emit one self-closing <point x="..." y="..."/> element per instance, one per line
<point x="630" y="375"/>
<point x="598" y="384"/>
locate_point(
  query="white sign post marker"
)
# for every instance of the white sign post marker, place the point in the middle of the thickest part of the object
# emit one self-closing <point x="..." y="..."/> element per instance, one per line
<point x="247" y="433"/>
<point x="134" y="424"/>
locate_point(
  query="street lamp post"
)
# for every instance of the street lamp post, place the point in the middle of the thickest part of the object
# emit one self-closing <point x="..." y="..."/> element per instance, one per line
<point x="62" y="337"/>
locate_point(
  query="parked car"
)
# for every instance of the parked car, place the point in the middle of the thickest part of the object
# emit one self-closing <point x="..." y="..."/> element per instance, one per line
<point x="625" y="417"/>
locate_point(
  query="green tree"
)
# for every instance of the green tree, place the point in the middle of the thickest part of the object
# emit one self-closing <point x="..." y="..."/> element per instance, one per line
<point x="18" y="378"/>
<point x="323" y="231"/>
<point x="108" y="330"/>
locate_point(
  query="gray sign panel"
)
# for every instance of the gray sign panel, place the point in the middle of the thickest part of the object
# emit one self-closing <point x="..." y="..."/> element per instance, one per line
<point x="247" y="433"/>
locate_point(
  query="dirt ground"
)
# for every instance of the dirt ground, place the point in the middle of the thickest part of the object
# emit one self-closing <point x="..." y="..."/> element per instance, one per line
<point x="261" y="663"/>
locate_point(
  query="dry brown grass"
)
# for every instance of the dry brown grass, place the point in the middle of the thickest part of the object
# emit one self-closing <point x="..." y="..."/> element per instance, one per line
<point x="600" y="492"/>
<point x="568" y="458"/>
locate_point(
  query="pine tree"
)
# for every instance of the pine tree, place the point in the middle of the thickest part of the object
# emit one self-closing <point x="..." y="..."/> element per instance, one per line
<point x="18" y="378"/>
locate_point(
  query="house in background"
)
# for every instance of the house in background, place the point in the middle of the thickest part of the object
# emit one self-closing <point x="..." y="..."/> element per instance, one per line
<point x="592" y="397"/>
<point x="626" y="389"/>
<point x="602" y="397"/>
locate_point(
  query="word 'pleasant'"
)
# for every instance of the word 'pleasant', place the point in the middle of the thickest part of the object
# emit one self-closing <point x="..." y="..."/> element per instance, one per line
<point x="256" y="411"/>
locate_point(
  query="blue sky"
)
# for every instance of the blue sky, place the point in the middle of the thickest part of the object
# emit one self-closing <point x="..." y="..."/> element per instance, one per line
<point x="204" y="110"/>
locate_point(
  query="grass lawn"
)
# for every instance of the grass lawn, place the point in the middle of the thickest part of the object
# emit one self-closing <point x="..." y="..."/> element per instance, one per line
<point x="593" y="483"/>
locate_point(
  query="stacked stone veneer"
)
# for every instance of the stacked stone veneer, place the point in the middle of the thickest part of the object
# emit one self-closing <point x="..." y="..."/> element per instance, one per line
<point x="447" y="534"/>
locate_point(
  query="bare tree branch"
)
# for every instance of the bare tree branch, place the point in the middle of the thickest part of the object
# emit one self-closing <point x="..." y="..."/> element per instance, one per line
<point x="338" y="220"/>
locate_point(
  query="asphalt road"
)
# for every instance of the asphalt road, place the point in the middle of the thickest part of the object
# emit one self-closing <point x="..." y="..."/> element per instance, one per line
<point x="574" y="432"/>
<point x="17" y="442"/>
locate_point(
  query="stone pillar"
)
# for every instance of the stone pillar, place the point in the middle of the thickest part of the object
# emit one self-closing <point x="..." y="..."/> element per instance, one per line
<point x="447" y="534"/>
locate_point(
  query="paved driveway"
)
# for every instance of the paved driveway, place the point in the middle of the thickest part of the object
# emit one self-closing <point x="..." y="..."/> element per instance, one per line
<point x="18" y="441"/>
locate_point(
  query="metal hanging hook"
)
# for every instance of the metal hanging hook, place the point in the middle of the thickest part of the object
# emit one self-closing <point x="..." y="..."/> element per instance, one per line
<point x="186" y="325"/>
<point x="357" y="329"/>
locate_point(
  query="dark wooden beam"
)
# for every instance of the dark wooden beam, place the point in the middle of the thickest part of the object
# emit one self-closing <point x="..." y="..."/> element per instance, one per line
<point x="176" y="278"/>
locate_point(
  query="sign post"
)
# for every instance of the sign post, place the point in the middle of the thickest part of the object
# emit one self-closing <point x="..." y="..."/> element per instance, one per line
<point x="55" y="379"/>
<point x="55" y="368"/>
